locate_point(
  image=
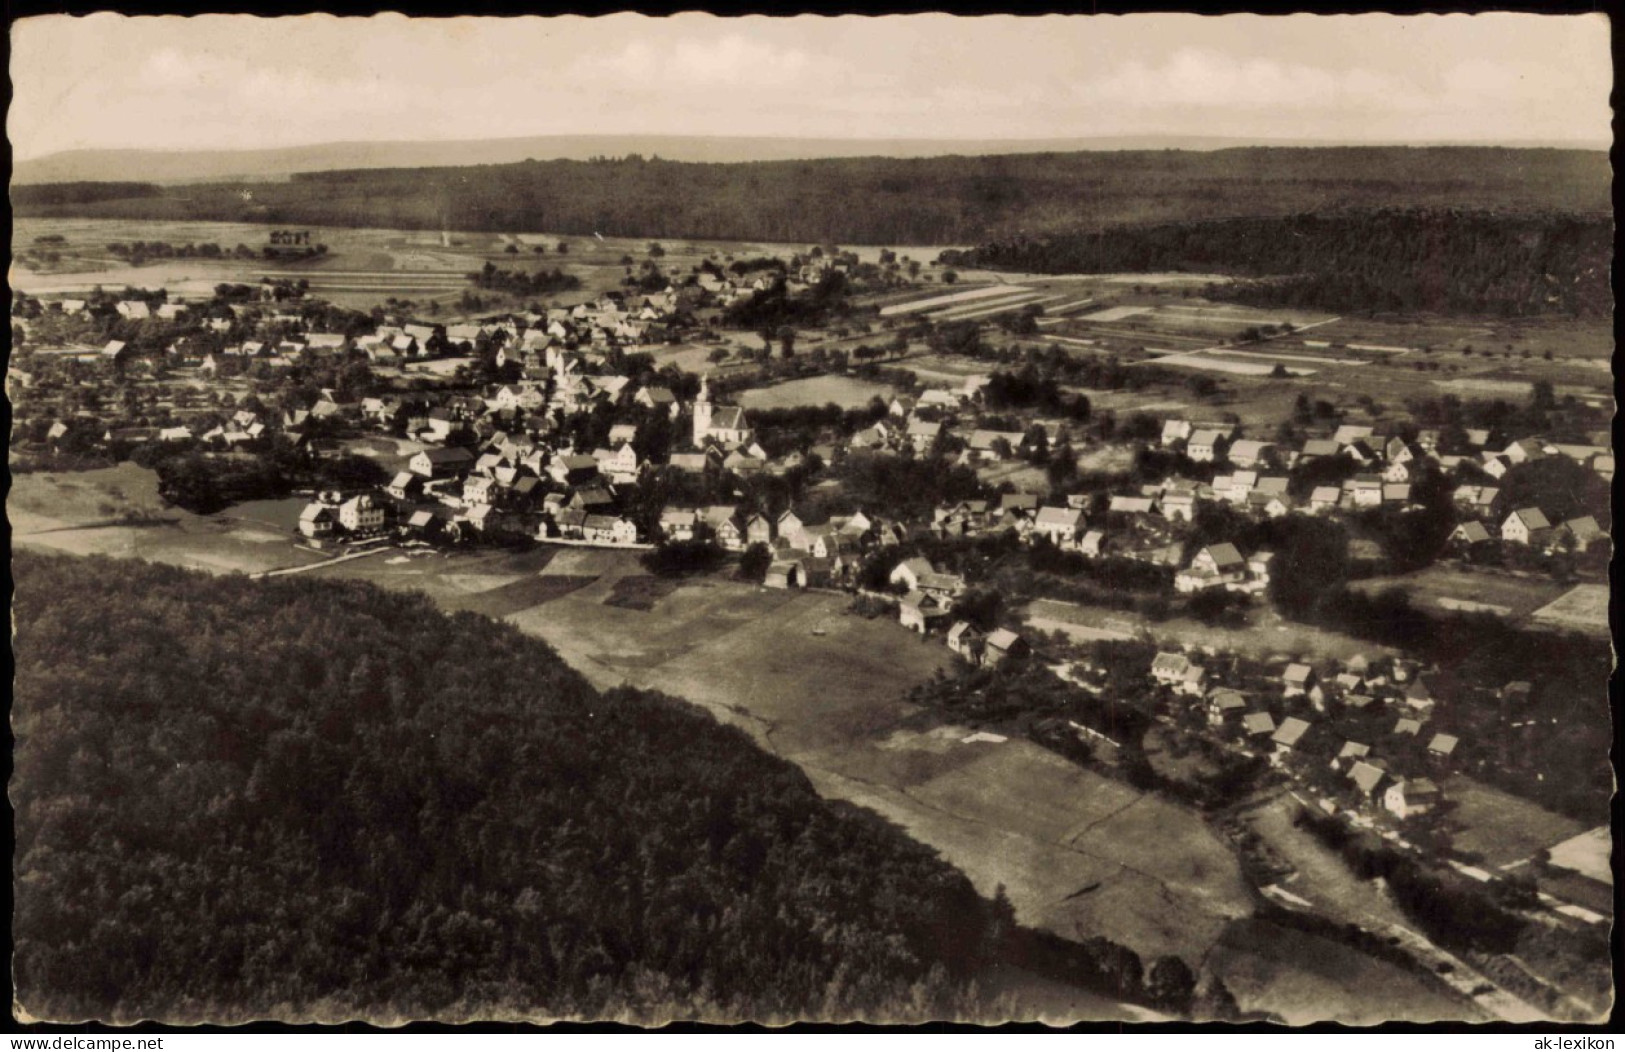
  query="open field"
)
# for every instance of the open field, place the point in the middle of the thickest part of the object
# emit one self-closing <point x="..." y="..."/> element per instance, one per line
<point x="1269" y="636"/>
<point x="1583" y="608"/>
<point x="1304" y="978"/>
<point x="844" y="391"/>
<point x="363" y="266"/>
<point x="1500" y="827"/>
<point x="826" y="689"/>
<point x="1445" y="587"/>
<point x="1208" y="362"/>
<point x="1587" y="854"/>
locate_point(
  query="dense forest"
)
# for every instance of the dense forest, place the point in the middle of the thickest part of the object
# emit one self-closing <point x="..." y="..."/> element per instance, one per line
<point x="295" y="799"/>
<point x="50" y="195"/>
<point x="878" y="201"/>
<point x="1443" y="260"/>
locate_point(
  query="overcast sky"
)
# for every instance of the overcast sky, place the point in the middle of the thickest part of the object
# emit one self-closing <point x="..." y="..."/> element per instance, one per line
<point x="217" y="82"/>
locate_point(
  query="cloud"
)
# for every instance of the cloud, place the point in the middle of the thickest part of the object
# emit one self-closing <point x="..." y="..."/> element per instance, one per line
<point x="1201" y="78"/>
<point x="729" y="61"/>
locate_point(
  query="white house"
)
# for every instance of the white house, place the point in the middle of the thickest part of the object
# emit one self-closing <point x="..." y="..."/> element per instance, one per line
<point x="1203" y="446"/>
<point x="1213" y="566"/>
<point x="1525" y="526"/>
<point x="360" y="514"/>
<point x="1061" y="525"/>
<point x="1408" y="798"/>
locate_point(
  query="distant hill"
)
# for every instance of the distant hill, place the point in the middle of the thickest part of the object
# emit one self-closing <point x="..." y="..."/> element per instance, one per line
<point x="191" y="166"/>
<point x="875" y="200"/>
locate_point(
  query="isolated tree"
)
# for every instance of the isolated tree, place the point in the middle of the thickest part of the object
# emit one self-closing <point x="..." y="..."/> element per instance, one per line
<point x="1215" y="1002"/>
<point x="1170" y="984"/>
<point x="753" y="564"/>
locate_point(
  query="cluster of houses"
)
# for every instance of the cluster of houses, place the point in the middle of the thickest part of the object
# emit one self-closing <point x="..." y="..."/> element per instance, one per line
<point x="1144" y="523"/>
<point x="1396" y="695"/>
<point x="1370" y="782"/>
<point x="1525" y="527"/>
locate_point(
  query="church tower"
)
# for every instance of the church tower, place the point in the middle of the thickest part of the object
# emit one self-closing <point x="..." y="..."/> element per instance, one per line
<point x="702" y="412"/>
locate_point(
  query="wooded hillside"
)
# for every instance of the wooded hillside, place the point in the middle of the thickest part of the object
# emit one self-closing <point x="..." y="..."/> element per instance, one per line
<point x="1384" y="260"/>
<point x="295" y="799"/>
<point x="880" y="201"/>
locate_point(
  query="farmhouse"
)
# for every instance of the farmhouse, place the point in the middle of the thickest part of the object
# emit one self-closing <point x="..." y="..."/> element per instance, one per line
<point x="1247" y="452"/>
<point x="909" y="572"/>
<point x="1061" y="526"/>
<point x="361" y="514"/>
<point x="1289" y="734"/>
<point x="1406" y="799"/>
<point x="609" y="529"/>
<point x="1526" y="526"/>
<point x="1203" y="446"/>
<point x="1296" y="681"/>
<point x="1581" y="532"/>
<point x="1367" y="779"/>
<point x="922" y="434"/>
<point x="1002" y="644"/>
<point x="441" y="463"/>
<point x="317" y="520"/>
<point x="1214" y="566"/>
<point x="966" y="641"/>
<point x="1223" y="703"/>
<point x="919" y="611"/>
<point x="1256" y="724"/>
<point x="1169" y="669"/>
<point x="1443" y="746"/>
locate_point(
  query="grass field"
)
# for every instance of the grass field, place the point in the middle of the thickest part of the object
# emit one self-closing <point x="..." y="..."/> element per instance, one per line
<point x="1306" y="979"/>
<point x="1584" y="607"/>
<point x="1448" y="587"/>
<point x="844" y="391"/>
<point x="1500" y="827"/>
<point x="1270" y="637"/>
<point x="826" y="689"/>
<point x="363" y="266"/>
<point x="1587" y="854"/>
<point x="64" y="512"/>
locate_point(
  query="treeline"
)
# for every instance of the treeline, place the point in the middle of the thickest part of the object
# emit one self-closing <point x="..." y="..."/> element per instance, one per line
<point x="292" y="799"/>
<point x="775" y="306"/>
<point x="879" y="201"/>
<point x="47" y="195"/>
<point x="1449" y="910"/>
<point x="1410" y="259"/>
<point x="523" y="283"/>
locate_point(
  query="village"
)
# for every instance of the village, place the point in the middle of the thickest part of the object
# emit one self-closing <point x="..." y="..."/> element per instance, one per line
<point x="615" y="423"/>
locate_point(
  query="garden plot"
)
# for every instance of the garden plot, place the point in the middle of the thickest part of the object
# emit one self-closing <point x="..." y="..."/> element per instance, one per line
<point x="1204" y="360"/>
<point x="1117" y="313"/>
<point x="1274" y="356"/>
<point x="982" y="310"/>
<point x="952" y="299"/>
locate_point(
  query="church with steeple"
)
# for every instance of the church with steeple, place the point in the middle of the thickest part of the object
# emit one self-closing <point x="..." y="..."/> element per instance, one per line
<point x="723" y="425"/>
